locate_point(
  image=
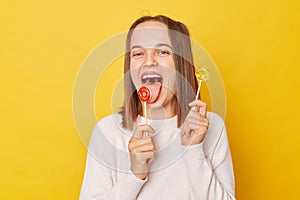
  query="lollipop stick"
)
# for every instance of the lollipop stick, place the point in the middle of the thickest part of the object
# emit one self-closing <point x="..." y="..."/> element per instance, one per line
<point x="145" y="110"/>
<point x="145" y="115"/>
<point x="198" y="90"/>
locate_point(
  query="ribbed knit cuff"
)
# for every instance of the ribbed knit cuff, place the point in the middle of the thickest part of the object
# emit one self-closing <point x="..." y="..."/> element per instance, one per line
<point x="131" y="185"/>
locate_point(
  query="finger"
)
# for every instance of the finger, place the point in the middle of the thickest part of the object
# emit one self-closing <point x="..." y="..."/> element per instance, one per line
<point x="184" y="138"/>
<point x="200" y="131"/>
<point x="143" y="148"/>
<point x="183" y="129"/>
<point x="141" y="129"/>
<point x="141" y="145"/>
<point x="191" y="114"/>
<point x="196" y="117"/>
<point x="204" y="124"/>
<point x="197" y="103"/>
<point x="198" y="128"/>
<point x="194" y="108"/>
<point x="192" y="117"/>
<point x="202" y="110"/>
<point x="189" y="129"/>
<point x="204" y="119"/>
<point x="192" y="122"/>
<point x="200" y="105"/>
<point x="135" y="143"/>
<point x="149" y="161"/>
<point x="193" y="126"/>
<point x="148" y="134"/>
<point x="149" y="155"/>
<point x="143" y="157"/>
<point x="195" y="114"/>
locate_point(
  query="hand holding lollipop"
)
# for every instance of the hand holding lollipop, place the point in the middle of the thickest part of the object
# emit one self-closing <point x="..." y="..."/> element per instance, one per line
<point x="195" y="126"/>
<point x="142" y="149"/>
<point x="202" y="74"/>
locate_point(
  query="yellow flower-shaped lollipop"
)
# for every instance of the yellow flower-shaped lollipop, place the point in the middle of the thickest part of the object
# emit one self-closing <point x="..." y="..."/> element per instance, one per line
<point x="202" y="74"/>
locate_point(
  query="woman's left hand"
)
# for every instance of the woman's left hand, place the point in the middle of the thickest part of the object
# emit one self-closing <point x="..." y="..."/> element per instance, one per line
<point x="195" y="125"/>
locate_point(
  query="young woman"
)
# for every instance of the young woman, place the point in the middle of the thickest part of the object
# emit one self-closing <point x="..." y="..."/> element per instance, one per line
<point x="172" y="148"/>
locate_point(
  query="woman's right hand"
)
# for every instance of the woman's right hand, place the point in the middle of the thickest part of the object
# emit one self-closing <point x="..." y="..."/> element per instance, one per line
<point x="141" y="150"/>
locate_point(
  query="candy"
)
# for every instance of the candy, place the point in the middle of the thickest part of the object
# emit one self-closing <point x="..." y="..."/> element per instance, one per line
<point x="201" y="73"/>
<point x="144" y="94"/>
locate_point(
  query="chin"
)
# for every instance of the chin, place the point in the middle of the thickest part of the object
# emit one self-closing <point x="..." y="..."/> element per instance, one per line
<point x="159" y="103"/>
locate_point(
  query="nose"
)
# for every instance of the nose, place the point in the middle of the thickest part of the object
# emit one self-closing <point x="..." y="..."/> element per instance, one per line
<point x="150" y="59"/>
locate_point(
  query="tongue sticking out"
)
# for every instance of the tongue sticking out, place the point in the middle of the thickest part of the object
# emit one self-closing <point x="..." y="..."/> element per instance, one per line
<point x="154" y="91"/>
<point x="149" y="92"/>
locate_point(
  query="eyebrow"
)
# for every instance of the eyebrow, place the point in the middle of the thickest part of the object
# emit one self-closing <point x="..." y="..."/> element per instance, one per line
<point x="157" y="45"/>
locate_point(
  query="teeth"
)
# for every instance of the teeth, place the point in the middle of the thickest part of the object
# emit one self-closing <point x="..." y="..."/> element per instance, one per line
<point x="151" y="76"/>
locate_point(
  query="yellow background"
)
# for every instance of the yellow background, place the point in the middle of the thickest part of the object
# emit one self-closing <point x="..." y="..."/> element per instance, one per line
<point x="255" y="45"/>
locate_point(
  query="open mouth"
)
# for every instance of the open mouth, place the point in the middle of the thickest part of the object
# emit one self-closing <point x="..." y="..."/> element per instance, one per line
<point x="151" y="79"/>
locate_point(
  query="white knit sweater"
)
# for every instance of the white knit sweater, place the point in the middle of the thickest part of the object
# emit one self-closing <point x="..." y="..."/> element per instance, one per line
<point x="202" y="171"/>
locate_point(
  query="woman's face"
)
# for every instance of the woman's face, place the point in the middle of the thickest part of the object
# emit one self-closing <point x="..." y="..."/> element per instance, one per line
<point x="152" y="63"/>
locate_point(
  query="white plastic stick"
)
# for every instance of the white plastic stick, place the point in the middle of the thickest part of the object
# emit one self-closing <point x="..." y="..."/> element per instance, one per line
<point x="145" y="110"/>
<point x="198" y="90"/>
<point x="145" y="115"/>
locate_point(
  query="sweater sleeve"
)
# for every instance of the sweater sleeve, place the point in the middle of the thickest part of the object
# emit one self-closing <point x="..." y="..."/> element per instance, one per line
<point x="213" y="178"/>
<point x="100" y="182"/>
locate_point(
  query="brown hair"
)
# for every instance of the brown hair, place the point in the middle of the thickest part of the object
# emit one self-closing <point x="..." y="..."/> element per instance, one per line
<point x="184" y="65"/>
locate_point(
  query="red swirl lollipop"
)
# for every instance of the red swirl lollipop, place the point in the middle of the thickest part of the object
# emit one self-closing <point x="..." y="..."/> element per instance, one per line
<point x="144" y="94"/>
